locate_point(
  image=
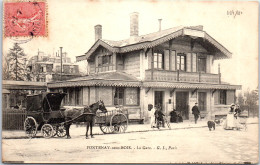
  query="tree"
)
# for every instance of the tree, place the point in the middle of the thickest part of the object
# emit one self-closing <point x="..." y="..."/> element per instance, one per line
<point x="16" y="65"/>
<point x="252" y="102"/>
<point x="5" y="70"/>
<point x="240" y="99"/>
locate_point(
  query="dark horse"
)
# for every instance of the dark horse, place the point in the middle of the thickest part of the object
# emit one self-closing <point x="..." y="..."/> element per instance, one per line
<point x="86" y="114"/>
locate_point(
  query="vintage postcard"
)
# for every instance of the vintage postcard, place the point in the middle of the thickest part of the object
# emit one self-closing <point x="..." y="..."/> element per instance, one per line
<point x="122" y="81"/>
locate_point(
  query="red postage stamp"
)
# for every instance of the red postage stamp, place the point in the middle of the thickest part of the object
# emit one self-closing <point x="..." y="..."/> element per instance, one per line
<point x="24" y="19"/>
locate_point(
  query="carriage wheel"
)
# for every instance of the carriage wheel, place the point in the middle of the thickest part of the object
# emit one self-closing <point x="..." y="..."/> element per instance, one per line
<point x="105" y="128"/>
<point x="60" y="131"/>
<point x="119" y="123"/>
<point x="55" y="128"/>
<point x="30" y="127"/>
<point x="47" y="131"/>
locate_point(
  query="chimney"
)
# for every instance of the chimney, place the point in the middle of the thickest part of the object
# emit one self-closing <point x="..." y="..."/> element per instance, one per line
<point x="160" y="23"/>
<point x="134" y="24"/>
<point x="98" y="32"/>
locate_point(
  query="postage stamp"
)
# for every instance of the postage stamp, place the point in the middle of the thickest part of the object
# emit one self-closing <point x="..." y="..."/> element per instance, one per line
<point x="25" y="19"/>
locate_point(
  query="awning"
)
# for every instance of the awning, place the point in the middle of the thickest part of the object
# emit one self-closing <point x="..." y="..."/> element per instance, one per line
<point x="5" y="91"/>
<point x="95" y="83"/>
<point x="190" y="85"/>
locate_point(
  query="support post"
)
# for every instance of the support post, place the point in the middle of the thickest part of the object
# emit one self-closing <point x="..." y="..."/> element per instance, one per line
<point x="219" y="74"/>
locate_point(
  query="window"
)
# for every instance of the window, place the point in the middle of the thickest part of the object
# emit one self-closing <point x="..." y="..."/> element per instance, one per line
<point x="119" y="96"/>
<point x="181" y="62"/>
<point x="78" y="96"/>
<point x="131" y="96"/>
<point x="201" y="64"/>
<point x="223" y="97"/>
<point x="104" y="60"/>
<point x="158" y="60"/>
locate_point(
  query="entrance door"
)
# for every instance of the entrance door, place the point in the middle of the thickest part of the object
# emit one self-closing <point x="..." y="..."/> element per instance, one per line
<point x="202" y="101"/>
<point x="158" y="99"/>
<point x="182" y="104"/>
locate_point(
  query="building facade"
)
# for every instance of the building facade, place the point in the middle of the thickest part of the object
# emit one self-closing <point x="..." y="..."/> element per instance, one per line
<point x="46" y="68"/>
<point x="14" y="93"/>
<point x="170" y="68"/>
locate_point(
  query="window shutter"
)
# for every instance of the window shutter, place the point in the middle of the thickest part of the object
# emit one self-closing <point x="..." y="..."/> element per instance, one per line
<point x="149" y="56"/>
<point x="188" y="64"/>
<point x="194" y="62"/>
<point x="230" y="97"/>
<point x="216" y="97"/>
<point x="173" y="54"/>
<point x="166" y="59"/>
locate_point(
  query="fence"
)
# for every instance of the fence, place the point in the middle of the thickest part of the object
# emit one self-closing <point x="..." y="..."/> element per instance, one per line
<point x="13" y="119"/>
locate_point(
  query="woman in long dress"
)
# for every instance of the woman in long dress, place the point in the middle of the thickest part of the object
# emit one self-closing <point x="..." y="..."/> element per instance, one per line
<point x="152" y="111"/>
<point x="230" y="120"/>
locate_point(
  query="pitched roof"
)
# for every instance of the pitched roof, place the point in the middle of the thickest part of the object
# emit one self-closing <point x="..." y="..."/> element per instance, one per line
<point x="156" y="38"/>
<point x="107" y="76"/>
<point x="100" y="79"/>
<point x="142" y="38"/>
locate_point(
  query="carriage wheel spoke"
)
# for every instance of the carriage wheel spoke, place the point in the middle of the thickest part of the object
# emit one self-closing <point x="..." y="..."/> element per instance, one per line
<point x="119" y="123"/>
<point x="30" y="127"/>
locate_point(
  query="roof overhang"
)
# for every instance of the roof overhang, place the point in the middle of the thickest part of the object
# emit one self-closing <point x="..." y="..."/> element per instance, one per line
<point x="153" y="84"/>
<point x="115" y="83"/>
<point x="9" y="84"/>
<point x="193" y="33"/>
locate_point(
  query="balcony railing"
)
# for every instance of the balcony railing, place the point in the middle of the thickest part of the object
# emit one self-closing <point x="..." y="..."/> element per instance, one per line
<point x="179" y="76"/>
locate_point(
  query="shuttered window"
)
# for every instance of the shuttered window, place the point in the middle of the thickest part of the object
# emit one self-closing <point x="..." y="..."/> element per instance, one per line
<point x="119" y="96"/>
<point x="158" y="60"/>
<point x="202" y="64"/>
<point x="181" y="62"/>
<point x="223" y="97"/>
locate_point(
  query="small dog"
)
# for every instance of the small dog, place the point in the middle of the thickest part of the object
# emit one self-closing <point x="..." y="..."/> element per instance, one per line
<point x="211" y="124"/>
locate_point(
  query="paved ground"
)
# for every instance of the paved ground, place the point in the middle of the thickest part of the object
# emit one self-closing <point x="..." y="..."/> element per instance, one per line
<point x="193" y="145"/>
<point x="75" y="131"/>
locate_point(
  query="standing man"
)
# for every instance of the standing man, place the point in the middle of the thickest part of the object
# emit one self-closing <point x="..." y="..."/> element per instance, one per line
<point x="196" y="112"/>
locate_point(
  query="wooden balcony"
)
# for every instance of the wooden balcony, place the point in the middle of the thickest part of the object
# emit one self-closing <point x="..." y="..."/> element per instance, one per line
<point x="179" y="76"/>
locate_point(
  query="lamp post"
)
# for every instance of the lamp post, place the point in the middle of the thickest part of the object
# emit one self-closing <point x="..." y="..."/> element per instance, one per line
<point x="60" y="63"/>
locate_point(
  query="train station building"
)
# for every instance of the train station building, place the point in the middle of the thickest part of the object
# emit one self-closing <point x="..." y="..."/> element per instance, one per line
<point x="170" y="68"/>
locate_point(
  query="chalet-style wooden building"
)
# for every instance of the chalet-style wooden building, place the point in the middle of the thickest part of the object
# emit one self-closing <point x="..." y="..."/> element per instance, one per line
<point x="171" y="68"/>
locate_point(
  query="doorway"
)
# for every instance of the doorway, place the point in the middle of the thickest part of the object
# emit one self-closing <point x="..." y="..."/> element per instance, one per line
<point x="158" y="99"/>
<point x="182" y="106"/>
<point x="202" y="101"/>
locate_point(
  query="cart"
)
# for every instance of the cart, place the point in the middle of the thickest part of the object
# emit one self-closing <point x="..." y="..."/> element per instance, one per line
<point x="44" y="114"/>
<point x="115" y="121"/>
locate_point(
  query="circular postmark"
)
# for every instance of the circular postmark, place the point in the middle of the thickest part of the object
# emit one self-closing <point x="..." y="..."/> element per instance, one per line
<point x="24" y="19"/>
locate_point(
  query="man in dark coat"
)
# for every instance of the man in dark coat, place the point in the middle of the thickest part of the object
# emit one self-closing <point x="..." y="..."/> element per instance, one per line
<point x="196" y="112"/>
<point x="159" y="117"/>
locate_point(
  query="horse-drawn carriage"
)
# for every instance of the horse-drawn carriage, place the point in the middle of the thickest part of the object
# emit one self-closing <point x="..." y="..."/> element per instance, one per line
<point x="44" y="113"/>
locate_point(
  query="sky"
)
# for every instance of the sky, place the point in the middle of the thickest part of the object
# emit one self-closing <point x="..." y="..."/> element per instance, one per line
<point x="71" y="25"/>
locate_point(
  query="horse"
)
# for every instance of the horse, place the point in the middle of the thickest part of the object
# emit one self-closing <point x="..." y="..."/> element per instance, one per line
<point x="87" y="114"/>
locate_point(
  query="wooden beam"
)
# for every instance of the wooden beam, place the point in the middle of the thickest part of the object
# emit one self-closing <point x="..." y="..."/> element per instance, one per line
<point x="214" y="91"/>
<point x="195" y="90"/>
<point x="192" y="43"/>
<point x="171" y="92"/>
<point x="147" y="90"/>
